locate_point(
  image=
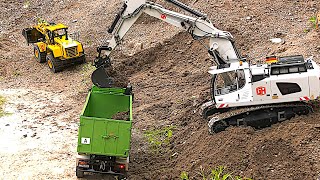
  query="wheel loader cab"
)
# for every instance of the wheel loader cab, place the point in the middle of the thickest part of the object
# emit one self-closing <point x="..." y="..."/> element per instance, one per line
<point x="60" y="33"/>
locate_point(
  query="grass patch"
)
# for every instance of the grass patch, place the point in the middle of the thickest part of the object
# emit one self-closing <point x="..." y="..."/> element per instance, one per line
<point x="2" y="102"/>
<point x="159" y="138"/>
<point x="215" y="174"/>
<point x="85" y="70"/>
<point x="313" y="20"/>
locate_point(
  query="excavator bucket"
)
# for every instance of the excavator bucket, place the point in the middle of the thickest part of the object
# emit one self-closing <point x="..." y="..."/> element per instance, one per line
<point x="32" y="35"/>
<point x="101" y="79"/>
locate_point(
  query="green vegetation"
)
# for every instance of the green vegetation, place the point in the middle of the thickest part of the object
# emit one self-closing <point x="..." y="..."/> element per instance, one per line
<point x="215" y="174"/>
<point x="85" y="71"/>
<point x="2" y="101"/>
<point x="313" y="20"/>
<point x="16" y="73"/>
<point x="159" y="138"/>
<point x="184" y="175"/>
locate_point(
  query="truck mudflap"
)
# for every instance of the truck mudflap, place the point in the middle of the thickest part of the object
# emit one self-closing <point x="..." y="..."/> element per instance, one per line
<point x="32" y="35"/>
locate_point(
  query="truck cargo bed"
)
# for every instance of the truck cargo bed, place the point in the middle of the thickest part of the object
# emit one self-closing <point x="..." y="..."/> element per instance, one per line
<point x="99" y="132"/>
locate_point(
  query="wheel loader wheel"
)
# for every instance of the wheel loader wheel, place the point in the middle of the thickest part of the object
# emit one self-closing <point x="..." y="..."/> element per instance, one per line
<point x="55" y="65"/>
<point x="40" y="56"/>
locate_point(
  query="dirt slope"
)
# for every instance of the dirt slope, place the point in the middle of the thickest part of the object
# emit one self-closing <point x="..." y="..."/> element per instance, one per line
<point x="170" y="81"/>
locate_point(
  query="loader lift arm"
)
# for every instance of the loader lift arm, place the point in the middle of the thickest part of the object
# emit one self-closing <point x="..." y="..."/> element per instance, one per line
<point x="221" y="46"/>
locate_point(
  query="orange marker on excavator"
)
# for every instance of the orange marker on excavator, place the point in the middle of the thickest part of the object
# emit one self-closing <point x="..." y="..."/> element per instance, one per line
<point x="318" y="20"/>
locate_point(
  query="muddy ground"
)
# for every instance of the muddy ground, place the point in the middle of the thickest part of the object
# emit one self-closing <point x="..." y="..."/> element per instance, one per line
<point x="170" y="80"/>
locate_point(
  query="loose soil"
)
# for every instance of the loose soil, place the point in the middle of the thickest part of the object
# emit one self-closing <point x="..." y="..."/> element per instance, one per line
<point x="170" y="80"/>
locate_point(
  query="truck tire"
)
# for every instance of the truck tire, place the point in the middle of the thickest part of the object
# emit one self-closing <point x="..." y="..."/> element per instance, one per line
<point x="40" y="56"/>
<point x="55" y="65"/>
<point x="79" y="173"/>
<point x="122" y="177"/>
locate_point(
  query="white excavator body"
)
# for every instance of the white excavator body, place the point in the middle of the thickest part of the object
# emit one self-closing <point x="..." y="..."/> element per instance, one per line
<point x="266" y="83"/>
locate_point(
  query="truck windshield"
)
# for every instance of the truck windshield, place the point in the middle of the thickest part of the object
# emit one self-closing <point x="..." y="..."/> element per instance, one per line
<point x="228" y="82"/>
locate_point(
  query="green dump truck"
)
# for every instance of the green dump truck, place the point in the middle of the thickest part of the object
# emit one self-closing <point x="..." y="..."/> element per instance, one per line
<point x="105" y="132"/>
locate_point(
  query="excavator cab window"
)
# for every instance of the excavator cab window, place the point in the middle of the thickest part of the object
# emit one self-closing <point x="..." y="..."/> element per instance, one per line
<point x="228" y="82"/>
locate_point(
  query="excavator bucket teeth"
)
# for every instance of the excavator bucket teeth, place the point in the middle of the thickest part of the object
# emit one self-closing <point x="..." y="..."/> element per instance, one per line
<point x="100" y="78"/>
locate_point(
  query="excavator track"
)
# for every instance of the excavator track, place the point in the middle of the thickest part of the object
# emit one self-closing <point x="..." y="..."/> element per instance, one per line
<point x="257" y="116"/>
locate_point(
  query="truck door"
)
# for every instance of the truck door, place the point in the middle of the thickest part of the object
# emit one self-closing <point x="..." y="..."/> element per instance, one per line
<point x="32" y="35"/>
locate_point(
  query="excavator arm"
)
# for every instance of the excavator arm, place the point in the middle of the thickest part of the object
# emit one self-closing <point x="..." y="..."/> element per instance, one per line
<point x="221" y="45"/>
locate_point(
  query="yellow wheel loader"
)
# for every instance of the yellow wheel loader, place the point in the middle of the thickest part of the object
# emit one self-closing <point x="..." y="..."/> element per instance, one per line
<point x="53" y="45"/>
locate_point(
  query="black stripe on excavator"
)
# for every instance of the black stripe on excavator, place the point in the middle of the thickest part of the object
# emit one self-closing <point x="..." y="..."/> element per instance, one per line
<point x="187" y="8"/>
<point x="116" y="20"/>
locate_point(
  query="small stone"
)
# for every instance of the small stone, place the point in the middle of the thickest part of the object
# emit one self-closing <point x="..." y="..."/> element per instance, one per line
<point x="248" y="18"/>
<point x="25" y="135"/>
<point x="276" y="40"/>
<point x="185" y="74"/>
<point x="7" y="124"/>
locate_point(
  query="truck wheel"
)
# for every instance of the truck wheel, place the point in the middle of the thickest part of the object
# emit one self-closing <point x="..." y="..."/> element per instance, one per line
<point x="122" y="177"/>
<point x="40" y="56"/>
<point x="79" y="173"/>
<point x="55" y="65"/>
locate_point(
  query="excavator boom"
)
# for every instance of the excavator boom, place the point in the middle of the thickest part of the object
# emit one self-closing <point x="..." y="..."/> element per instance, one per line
<point x="221" y="46"/>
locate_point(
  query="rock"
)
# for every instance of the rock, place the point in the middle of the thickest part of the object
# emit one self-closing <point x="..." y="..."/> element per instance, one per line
<point x="7" y="124"/>
<point x="276" y="40"/>
<point x="34" y="134"/>
<point x="25" y="135"/>
<point x="248" y="18"/>
<point x="185" y="74"/>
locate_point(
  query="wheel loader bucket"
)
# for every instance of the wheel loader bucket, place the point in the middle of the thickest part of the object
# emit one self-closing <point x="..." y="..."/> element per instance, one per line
<point x="32" y="35"/>
<point x="100" y="78"/>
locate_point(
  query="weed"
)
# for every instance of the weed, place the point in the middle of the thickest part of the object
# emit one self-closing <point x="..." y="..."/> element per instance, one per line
<point x="215" y="174"/>
<point x="16" y="73"/>
<point x="159" y="137"/>
<point x="184" y="175"/>
<point x="313" y="20"/>
<point x="2" y="101"/>
<point x="26" y="4"/>
<point x="85" y="71"/>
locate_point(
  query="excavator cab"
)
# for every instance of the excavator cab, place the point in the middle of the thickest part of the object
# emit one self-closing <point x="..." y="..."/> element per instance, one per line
<point x="32" y="35"/>
<point x="228" y="82"/>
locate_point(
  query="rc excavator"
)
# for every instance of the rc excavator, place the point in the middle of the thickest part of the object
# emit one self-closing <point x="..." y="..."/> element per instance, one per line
<point x="243" y="93"/>
<point x="53" y="45"/>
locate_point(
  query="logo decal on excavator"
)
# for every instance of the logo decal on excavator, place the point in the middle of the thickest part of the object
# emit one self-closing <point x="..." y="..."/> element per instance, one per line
<point x="261" y="90"/>
<point x="163" y="16"/>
